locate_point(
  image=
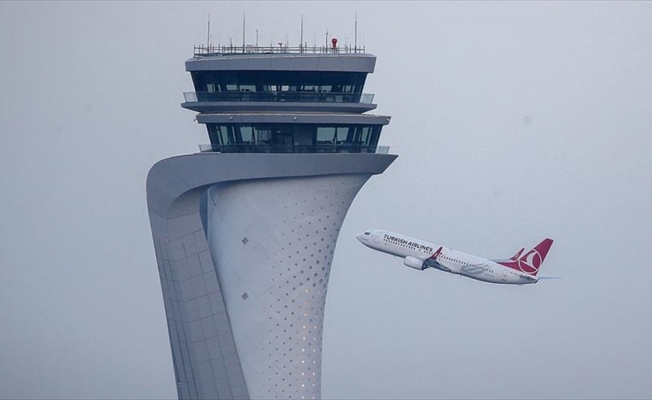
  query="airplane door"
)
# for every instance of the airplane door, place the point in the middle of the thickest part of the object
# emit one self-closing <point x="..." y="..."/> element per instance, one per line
<point x="503" y="276"/>
<point x="376" y="239"/>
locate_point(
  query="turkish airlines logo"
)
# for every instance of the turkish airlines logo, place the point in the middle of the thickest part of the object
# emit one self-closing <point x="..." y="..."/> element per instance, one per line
<point x="530" y="263"/>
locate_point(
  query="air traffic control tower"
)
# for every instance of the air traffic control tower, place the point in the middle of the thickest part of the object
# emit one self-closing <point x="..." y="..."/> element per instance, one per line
<point x="245" y="229"/>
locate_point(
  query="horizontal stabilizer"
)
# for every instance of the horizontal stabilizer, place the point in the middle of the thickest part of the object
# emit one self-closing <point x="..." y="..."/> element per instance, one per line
<point x="518" y="254"/>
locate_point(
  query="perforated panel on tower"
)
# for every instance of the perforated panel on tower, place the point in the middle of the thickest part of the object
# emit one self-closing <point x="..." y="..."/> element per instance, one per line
<point x="272" y="242"/>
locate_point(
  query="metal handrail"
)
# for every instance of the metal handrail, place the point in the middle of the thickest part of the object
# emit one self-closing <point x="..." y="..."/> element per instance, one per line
<point x="314" y="148"/>
<point x="302" y="97"/>
<point x="212" y="50"/>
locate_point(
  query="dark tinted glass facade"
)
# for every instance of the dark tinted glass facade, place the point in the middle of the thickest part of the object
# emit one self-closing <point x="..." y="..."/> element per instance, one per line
<point x="278" y="81"/>
<point x="293" y="138"/>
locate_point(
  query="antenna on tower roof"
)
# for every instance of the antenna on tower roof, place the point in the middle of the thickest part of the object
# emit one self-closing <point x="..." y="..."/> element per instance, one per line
<point x="243" y="30"/>
<point x="208" y="36"/>
<point x="301" y="42"/>
<point x="355" y="46"/>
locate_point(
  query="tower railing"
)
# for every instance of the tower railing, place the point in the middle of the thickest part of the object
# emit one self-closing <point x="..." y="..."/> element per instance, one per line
<point x="287" y="96"/>
<point x="289" y="148"/>
<point x="216" y="50"/>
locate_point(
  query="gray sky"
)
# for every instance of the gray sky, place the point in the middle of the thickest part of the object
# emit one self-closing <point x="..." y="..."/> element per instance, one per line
<point x="512" y="121"/>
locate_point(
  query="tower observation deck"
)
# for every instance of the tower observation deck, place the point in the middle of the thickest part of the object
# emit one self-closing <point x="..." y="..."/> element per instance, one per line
<point x="245" y="229"/>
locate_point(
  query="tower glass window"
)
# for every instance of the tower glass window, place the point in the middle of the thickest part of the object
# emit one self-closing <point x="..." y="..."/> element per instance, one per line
<point x="293" y="138"/>
<point x="278" y="86"/>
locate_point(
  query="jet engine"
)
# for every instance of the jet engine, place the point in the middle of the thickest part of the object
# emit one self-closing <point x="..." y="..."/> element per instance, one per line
<point x="413" y="262"/>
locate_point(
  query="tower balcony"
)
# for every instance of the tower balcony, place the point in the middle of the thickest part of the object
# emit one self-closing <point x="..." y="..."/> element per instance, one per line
<point x="279" y="100"/>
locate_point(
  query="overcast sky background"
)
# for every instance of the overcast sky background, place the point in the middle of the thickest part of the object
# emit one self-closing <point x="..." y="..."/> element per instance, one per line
<point x="512" y="121"/>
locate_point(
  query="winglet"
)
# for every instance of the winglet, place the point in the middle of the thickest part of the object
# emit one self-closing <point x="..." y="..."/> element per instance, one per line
<point x="436" y="254"/>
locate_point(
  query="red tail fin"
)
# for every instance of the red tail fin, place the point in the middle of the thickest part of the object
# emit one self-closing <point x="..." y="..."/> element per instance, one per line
<point x="531" y="261"/>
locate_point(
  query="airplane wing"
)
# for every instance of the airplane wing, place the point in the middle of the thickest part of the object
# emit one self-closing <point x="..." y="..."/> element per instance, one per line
<point x="433" y="263"/>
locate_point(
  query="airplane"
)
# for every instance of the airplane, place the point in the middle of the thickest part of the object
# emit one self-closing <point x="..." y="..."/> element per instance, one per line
<point x="520" y="269"/>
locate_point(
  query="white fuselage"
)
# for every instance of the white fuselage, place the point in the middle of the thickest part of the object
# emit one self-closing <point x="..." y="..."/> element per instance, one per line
<point x="419" y="254"/>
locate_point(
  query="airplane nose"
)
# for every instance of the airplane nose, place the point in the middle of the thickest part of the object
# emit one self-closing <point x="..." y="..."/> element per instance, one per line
<point x="361" y="237"/>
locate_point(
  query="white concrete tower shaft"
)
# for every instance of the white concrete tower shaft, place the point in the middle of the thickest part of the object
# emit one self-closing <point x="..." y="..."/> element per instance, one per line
<point x="272" y="242"/>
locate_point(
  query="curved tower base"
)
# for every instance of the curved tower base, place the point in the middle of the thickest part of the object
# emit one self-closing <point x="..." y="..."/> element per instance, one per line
<point x="272" y="242"/>
<point x="243" y="315"/>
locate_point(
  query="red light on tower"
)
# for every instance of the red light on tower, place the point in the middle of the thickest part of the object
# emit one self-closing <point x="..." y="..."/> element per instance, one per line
<point x="334" y="42"/>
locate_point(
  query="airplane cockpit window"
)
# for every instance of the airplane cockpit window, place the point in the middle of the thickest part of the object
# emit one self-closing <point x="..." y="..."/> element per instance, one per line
<point x="367" y="233"/>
